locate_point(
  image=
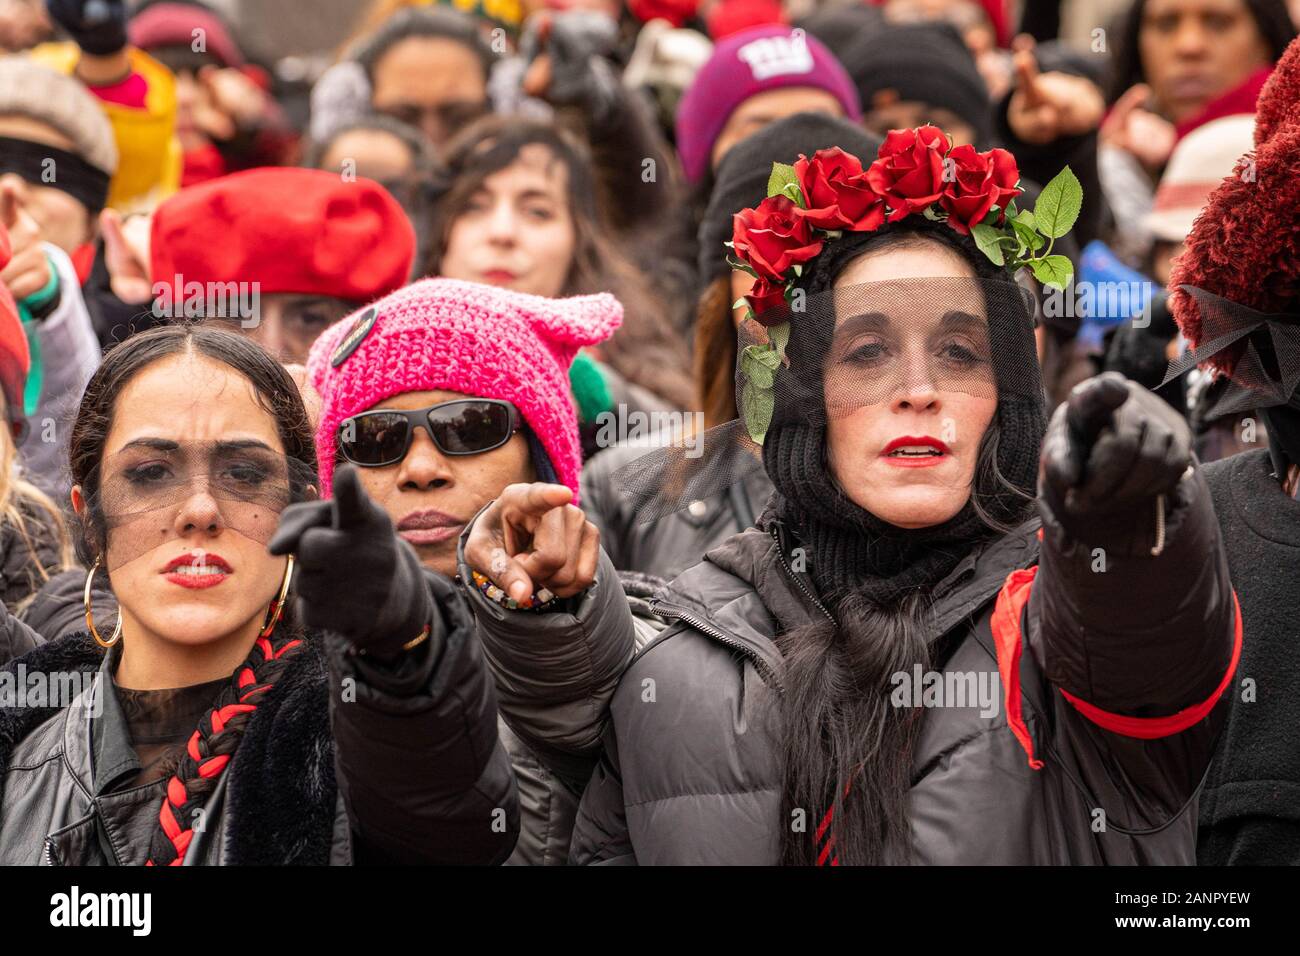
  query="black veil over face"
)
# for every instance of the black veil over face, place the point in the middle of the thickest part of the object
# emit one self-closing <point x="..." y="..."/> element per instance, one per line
<point x="1261" y="353"/>
<point x="135" y="497"/>
<point x="826" y="373"/>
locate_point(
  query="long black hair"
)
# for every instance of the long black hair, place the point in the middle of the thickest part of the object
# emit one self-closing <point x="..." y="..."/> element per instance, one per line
<point x="847" y="751"/>
<point x="1271" y="18"/>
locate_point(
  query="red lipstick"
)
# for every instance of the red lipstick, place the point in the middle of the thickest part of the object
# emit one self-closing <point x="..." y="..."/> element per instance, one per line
<point x="910" y="451"/>
<point x="197" y="570"/>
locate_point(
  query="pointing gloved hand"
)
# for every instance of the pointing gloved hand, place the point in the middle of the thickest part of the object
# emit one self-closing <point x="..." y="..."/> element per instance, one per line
<point x="1110" y="450"/>
<point x="354" y="575"/>
<point x="97" y="26"/>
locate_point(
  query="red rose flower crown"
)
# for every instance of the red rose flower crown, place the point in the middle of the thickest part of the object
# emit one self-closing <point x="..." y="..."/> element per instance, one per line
<point x="916" y="171"/>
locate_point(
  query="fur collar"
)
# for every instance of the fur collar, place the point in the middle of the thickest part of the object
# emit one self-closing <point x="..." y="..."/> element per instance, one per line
<point x="281" y="795"/>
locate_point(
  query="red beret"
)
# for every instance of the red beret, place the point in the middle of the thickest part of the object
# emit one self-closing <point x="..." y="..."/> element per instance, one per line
<point x="14" y="357"/>
<point x="289" y="230"/>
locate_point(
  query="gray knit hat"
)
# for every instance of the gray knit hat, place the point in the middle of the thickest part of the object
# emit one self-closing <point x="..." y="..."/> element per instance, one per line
<point x="30" y="89"/>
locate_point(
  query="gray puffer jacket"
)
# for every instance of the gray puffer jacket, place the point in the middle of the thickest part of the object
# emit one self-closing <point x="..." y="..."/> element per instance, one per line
<point x="691" y="770"/>
<point x="669" y="546"/>
<point x="555" y="672"/>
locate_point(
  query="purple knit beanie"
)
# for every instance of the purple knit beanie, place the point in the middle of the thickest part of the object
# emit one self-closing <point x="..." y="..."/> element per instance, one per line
<point x="445" y="334"/>
<point x="745" y="64"/>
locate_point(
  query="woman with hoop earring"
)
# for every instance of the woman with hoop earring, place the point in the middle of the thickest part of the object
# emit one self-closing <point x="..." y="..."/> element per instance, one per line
<point x="265" y="641"/>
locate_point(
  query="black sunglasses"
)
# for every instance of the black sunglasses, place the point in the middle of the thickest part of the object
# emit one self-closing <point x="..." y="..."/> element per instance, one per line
<point x="461" y="427"/>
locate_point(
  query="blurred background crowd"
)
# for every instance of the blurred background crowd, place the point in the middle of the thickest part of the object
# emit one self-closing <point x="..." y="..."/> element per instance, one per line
<point x="327" y="152"/>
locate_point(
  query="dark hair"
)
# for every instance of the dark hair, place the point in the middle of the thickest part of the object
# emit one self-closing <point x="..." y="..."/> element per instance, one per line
<point x="273" y="386"/>
<point x="405" y="133"/>
<point x="644" y="350"/>
<point x="443" y="23"/>
<point x="193" y="780"/>
<point x="1271" y="18"/>
<point x="846" y="749"/>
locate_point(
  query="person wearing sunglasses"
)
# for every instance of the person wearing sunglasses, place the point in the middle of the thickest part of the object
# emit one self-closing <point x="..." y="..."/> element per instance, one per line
<point x="451" y="401"/>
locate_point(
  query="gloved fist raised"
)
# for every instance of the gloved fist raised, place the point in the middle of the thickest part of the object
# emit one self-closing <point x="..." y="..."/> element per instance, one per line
<point x="354" y="575"/>
<point x="97" y="26"/>
<point x="1110" y="450"/>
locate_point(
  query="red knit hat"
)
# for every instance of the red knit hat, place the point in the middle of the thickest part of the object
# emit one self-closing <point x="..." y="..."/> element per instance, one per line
<point x="289" y="230"/>
<point x="15" y="360"/>
<point x="1245" y="246"/>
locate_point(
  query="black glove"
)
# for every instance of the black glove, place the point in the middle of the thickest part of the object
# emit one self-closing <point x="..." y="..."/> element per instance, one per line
<point x="354" y="575"/>
<point x="97" y="26"/>
<point x="578" y="43"/>
<point x="1110" y="450"/>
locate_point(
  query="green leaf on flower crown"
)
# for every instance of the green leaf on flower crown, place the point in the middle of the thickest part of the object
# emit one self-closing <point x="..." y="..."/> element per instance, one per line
<point x="759" y="363"/>
<point x="739" y="302"/>
<point x="1059" y="204"/>
<point x="744" y="267"/>
<point x="931" y="214"/>
<point x="794" y="193"/>
<point x="779" y="336"/>
<point x="798" y="270"/>
<point x="1028" y="236"/>
<point x="782" y="176"/>
<point x="756" y="406"/>
<point x="1025" y="217"/>
<point x="1053" y="271"/>
<point x="1013" y="211"/>
<point x="989" y="240"/>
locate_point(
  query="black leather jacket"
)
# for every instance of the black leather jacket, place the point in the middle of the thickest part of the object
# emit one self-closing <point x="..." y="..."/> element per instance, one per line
<point x="347" y="761"/>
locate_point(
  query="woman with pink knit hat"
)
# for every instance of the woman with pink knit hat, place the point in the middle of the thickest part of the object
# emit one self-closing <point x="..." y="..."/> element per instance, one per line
<point x="452" y="400"/>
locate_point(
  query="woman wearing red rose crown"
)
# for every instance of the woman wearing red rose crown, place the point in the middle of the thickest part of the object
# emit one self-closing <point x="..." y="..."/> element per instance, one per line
<point x="893" y="666"/>
<point x="667" y="547"/>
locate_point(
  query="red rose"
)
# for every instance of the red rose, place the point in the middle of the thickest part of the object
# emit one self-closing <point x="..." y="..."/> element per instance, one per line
<point x="769" y="299"/>
<point x="908" y="170"/>
<point x="837" y="192"/>
<point x="772" y="238"/>
<point x="980" y="181"/>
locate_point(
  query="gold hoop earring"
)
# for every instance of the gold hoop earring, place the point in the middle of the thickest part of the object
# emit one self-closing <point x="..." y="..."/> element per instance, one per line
<point x="276" y="610"/>
<point x="90" y="619"/>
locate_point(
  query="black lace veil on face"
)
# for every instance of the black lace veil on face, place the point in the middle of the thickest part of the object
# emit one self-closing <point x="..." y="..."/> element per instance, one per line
<point x="146" y="494"/>
<point x="856" y="345"/>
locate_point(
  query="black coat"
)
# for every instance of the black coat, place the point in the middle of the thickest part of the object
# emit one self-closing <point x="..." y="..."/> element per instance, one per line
<point x="691" y="769"/>
<point x="1250" y="810"/>
<point x="406" y="768"/>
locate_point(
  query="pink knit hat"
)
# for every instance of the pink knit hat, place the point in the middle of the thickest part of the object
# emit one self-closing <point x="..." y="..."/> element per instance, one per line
<point x="462" y="337"/>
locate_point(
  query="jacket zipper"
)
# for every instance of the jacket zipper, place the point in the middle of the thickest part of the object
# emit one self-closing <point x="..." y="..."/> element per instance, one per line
<point x="798" y="581"/>
<point x="681" y="614"/>
<point x="49" y="852"/>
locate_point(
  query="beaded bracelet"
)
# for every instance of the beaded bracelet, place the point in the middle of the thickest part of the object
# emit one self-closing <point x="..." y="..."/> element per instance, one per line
<point x="538" y="602"/>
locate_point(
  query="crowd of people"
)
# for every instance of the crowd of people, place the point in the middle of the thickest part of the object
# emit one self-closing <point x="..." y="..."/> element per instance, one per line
<point x="805" y="432"/>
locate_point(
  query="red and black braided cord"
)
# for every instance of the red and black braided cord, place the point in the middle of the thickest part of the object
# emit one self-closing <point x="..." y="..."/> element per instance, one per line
<point x="212" y="745"/>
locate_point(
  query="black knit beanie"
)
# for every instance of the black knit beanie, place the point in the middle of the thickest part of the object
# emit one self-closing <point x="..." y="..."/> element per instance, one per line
<point x="741" y="179"/>
<point x="925" y="63"/>
<point x="850" y="549"/>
